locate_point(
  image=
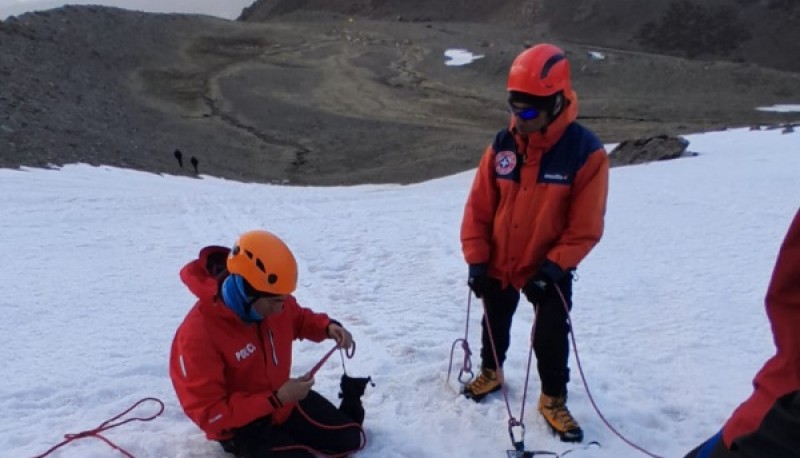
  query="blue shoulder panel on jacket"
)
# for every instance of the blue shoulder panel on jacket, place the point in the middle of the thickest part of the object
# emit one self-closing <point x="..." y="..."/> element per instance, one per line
<point x="559" y="165"/>
<point x="507" y="162"/>
<point x="568" y="155"/>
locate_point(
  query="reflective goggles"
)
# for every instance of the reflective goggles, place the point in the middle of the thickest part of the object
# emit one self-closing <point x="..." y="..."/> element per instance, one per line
<point x="525" y="114"/>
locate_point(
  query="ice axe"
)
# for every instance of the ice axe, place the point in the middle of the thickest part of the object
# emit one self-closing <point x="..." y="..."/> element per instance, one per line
<point x="528" y="453"/>
<point x="534" y="453"/>
<point x="519" y="445"/>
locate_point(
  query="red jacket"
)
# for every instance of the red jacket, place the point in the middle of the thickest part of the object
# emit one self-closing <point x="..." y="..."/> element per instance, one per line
<point x="223" y="369"/>
<point x="780" y="375"/>
<point x="536" y="199"/>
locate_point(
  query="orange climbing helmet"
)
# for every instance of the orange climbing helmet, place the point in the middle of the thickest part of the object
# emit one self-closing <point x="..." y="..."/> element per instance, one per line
<point x="542" y="71"/>
<point x="265" y="262"/>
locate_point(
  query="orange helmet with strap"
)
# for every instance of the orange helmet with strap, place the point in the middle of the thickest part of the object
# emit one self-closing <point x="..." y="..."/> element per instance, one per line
<point x="542" y="71"/>
<point x="265" y="262"/>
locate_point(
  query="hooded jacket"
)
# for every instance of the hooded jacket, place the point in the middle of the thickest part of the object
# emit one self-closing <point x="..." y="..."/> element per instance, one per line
<point x="768" y="423"/>
<point x="537" y="203"/>
<point x="226" y="372"/>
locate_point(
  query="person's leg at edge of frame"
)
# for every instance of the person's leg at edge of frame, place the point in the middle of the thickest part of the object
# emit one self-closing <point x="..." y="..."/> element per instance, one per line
<point x="322" y="411"/>
<point x="712" y="448"/>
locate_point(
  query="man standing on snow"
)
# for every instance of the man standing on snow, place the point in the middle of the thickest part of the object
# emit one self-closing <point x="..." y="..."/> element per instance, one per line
<point x="768" y="424"/>
<point x="535" y="210"/>
<point x="232" y="356"/>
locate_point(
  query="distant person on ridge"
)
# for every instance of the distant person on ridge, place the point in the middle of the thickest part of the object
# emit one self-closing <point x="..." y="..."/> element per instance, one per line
<point x="195" y="163"/>
<point x="535" y="210"/>
<point x="179" y="156"/>
<point x="231" y="357"/>
<point x="768" y="424"/>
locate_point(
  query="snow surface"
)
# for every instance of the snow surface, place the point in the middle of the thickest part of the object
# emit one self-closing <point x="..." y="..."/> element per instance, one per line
<point x="460" y="57"/>
<point x="781" y="108"/>
<point x="668" y="311"/>
<point x="596" y="55"/>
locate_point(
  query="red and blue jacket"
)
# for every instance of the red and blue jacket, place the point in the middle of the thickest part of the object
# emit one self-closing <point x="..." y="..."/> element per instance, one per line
<point x="773" y="410"/>
<point x="767" y="425"/>
<point x="537" y="201"/>
<point x="225" y="371"/>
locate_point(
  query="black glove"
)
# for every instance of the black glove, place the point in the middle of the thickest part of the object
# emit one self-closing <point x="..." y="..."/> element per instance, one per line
<point x="535" y="288"/>
<point x="478" y="279"/>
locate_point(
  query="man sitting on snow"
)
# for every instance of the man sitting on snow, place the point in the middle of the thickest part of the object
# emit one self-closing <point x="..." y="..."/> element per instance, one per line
<point x="232" y="356"/>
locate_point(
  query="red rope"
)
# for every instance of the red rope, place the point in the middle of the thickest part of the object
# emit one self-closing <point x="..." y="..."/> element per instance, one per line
<point x="106" y="425"/>
<point x="310" y="374"/>
<point x="512" y="422"/>
<point x="328" y="427"/>
<point x="586" y="384"/>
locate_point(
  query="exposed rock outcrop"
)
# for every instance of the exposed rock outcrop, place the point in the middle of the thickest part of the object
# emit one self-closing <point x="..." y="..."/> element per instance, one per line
<point x="658" y="148"/>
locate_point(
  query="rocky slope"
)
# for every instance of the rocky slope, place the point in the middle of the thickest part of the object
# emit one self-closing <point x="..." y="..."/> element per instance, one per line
<point x="310" y="96"/>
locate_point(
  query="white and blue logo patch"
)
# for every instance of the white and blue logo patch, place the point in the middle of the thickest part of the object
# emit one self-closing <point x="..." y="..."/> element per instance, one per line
<point x="557" y="178"/>
<point x="505" y="162"/>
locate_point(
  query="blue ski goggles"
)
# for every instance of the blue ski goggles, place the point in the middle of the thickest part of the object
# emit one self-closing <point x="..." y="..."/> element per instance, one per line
<point x="525" y="114"/>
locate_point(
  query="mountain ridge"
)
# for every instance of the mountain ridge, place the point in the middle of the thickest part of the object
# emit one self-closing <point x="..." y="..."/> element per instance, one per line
<point x="312" y="97"/>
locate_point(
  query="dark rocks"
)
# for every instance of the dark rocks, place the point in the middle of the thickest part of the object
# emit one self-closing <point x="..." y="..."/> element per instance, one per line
<point x="639" y="151"/>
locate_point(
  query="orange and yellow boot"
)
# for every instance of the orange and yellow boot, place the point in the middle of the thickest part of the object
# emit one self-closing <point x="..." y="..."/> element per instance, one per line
<point x="488" y="381"/>
<point x="555" y="412"/>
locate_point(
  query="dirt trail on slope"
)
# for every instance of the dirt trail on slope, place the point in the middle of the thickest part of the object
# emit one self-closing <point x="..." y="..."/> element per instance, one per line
<point x="323" y="99"/>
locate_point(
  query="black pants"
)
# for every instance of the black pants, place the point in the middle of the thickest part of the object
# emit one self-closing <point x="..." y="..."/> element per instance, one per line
<point x="257" y="439"/>
<point x="776" y="436"/>
<point x="550" y="342"/>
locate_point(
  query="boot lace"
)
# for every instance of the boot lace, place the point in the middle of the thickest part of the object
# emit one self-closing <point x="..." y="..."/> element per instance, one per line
<point x="481" y="382"/>
<point x="562" y="415"/>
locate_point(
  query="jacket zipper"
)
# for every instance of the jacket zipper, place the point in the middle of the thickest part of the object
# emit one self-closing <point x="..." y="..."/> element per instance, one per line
<point x="272" y="346"/>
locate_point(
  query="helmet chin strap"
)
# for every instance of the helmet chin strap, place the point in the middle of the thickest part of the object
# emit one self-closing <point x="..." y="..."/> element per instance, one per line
<point x="557" y="106"/>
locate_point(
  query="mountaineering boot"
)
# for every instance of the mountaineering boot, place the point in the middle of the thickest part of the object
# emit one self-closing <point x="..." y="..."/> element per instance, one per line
<point x="487" y="382"/>
<point x="554" y="410"/>
<point x="352" y="388"/>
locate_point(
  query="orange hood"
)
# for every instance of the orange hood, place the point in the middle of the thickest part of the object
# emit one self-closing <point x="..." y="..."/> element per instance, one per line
<point x="555" y="130"/>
